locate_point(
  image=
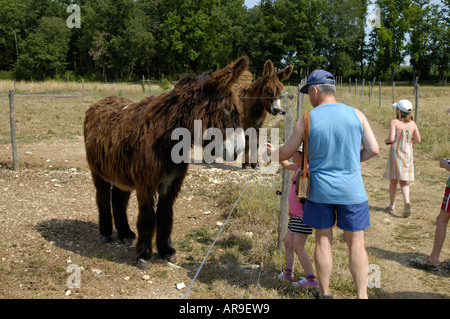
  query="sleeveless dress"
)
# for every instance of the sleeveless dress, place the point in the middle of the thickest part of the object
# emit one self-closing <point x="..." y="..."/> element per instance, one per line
<point x="400" y="164"/>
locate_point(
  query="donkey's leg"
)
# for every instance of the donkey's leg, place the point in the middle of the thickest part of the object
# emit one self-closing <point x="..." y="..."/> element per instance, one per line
<point x="168" y="192"/>
<point x="145" y="226"/>
<point x="255" y="140"/>
<point x="103" y="198"/>
<point x="164" y="216"/>
<point x="119" y="204"/>
<point x="246" y="152"/>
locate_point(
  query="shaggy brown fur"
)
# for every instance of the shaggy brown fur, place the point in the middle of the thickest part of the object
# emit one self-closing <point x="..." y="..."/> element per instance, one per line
<point x="257" y="99"/>
<point x="128" y="147"/>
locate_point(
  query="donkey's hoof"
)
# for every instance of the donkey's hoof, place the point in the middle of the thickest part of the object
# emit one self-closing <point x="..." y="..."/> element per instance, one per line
<point x="143" y="264"/>
<point x="105" y="239"/>
<point x="170" y="258"/>
<point x="128" y="241"/>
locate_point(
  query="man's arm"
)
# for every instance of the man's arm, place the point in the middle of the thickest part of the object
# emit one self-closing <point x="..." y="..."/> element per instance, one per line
<point x="369" y="142"/>
<point x="286" y="151"/>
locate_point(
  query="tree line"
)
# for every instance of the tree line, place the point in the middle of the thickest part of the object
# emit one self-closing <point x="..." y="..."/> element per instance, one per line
<point x="128" y="39"/>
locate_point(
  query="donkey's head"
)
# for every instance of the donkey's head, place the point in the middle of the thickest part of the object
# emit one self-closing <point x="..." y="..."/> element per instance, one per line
<point x="271" y="87"/>
<point x="212" y="98"/>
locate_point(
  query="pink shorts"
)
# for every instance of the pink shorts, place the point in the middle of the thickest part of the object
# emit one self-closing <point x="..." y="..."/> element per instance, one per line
<point x="446" y="202"/>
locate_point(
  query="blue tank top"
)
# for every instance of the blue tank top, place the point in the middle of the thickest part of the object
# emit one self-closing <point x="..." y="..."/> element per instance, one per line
<point x="335" y="143"/>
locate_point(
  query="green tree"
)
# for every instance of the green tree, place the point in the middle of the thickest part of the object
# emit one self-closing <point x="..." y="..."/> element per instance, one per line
<point x="43" y="53"/>
<point x="187" y="32"/>
<point x="391" y="35"/>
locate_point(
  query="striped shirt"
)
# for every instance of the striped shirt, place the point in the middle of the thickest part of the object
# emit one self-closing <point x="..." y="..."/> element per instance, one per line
<point x="400" y="164"/>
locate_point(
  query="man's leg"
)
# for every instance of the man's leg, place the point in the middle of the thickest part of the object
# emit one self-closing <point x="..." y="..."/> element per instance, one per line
<point x="323" y="258"/>
<point x="358" y="261"/>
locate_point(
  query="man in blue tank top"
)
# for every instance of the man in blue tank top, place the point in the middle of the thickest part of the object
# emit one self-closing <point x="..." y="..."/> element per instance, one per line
<point x="340" y="138"/>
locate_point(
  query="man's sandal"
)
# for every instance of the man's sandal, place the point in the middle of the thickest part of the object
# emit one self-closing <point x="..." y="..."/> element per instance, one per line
<point x="425" y="263"/>
<point x="390" y="208"/>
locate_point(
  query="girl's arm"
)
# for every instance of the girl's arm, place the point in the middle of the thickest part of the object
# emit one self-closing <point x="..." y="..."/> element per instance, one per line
<point x="416" y="135"/>
<point x="288" y="165"/>
<point x="391" y="138"/>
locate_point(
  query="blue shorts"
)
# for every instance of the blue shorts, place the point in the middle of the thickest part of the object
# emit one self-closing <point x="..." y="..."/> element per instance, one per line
<point x="354" y="217"/>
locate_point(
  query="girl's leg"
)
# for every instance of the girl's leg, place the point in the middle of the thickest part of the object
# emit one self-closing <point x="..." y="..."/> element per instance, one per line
<point x="299" y="247"/>
<point x="289" y="254"/>
<point x="407" y="205"/>
<point x="392" y="191"/>
<point x="405" y="190"/>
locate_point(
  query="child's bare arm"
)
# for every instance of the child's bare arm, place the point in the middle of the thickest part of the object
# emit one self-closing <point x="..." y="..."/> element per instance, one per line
<point x="391" y="138"/>
<point x="288" y="165"/>
<point x="416" y="135"/>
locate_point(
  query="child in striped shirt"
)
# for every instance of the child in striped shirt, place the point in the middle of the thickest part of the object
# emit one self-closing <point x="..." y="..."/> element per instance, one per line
<point x="403" y="133"/>
<point x="297" y="233"/>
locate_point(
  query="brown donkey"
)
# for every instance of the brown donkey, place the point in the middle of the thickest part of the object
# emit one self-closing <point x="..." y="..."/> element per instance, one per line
<point x="129" y="145"/>
<point x="258" y="98"/>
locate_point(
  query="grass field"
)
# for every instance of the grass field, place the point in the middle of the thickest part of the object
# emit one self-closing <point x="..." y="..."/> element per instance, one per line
<point x="50" y="110"/>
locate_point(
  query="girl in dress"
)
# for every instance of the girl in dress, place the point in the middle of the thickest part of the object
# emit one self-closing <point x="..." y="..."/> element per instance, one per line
<point x="403" y="133"/>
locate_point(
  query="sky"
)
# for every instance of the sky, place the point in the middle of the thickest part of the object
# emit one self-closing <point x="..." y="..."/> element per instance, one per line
<point x="252" y="3"/>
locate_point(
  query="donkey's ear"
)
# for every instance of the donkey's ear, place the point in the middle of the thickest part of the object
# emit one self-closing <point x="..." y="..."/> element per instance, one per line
<point x="284" y="74"/>
<point x="225" y="78"/>
<point x="268" y="69"/>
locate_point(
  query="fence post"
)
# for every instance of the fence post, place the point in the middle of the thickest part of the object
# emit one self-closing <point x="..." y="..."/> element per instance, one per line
<point x="82" y="85"/>
<point x="416" y="81"/>
<point x="284" y="205"/>
<point x="362" y="91"/>
<point x="416" y="115"/>
<point x="356" y="85"/>
<point x="350" y="85"/>
<point x="300" y="99"/>
<point x="379" y="96"/>
<point x="393" y="92"/>
<point x="12" y="119"/>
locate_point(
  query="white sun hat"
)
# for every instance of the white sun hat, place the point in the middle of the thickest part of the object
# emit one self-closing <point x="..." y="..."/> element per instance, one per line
<point x="403" y="105"/>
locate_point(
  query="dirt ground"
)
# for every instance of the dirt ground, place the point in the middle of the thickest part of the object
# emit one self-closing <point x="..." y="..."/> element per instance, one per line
<point x="48" y="221"/>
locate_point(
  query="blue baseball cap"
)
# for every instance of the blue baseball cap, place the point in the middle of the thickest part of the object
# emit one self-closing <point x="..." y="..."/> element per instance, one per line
<point x="318" y="77"/>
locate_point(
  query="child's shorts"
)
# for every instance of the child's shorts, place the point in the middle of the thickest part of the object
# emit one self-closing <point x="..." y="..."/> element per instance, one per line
<point x="297" y="226"/>
<point x="446" y="202"/>
<point x="354" y="217"/>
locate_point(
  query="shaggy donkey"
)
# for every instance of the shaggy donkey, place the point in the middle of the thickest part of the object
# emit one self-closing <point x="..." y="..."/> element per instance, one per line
<point x="258" y="98"/>
<point x="128" y="147"/>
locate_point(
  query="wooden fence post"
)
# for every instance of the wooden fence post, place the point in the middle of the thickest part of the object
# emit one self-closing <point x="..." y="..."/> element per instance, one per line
<point x="300" y="99"/>
<point x="356" y="85"/>
<point x="82" y="85"/>
<point x="284" y="205"/>
<point x="416" y="81"/>
<point x="362" y="91"/>
<point x="349" y="85"/>
<point x="12" y="119"/>
<point x="379" y="96"/>
<point x="416" y="115"/>
<point x="393" y="92"/>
